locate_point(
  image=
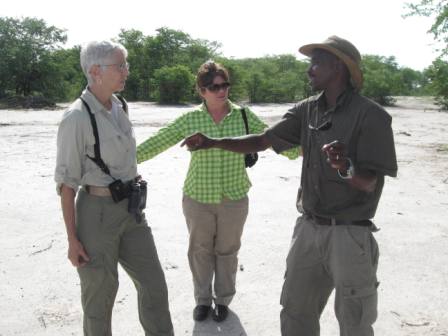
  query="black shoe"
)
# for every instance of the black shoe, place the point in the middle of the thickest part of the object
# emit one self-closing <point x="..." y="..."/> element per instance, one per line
<point x="220" y="313"/>
<point x="200" y="312"/>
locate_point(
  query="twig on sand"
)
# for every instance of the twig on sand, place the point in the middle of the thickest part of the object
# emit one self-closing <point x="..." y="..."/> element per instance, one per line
<point x="410" y="324"/>
<point x="42" y="322"/>
<point x="418" y="324"/>
<point x="43" y="250"/>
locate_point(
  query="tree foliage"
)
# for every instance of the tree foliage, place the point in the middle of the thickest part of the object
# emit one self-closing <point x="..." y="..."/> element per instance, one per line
<point x="167" y="48"/>
<point x="26" y="63"/>
<point x="274" y="79"/>
<point x="437" y="74"/>
<point x="384" y="78"/>
<point x="163" y="66"/>
<point x="439" y="10"/>
<point x="175" y="84"/>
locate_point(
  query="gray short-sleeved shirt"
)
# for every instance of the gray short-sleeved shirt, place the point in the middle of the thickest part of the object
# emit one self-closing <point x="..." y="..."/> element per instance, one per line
<point x="75" y="143"/>
<point x="358" y="122"/>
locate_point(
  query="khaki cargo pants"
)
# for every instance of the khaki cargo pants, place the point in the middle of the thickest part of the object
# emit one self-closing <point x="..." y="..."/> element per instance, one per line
<point x="111" y="235"/>
<point x="215" y="239"/>
<point x="322" y="258"/>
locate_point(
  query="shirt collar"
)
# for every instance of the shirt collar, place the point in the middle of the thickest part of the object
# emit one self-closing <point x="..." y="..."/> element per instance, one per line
<point x="94" y="103"/>
<point x="233" y="106"/>
<point x="342" y="99"/>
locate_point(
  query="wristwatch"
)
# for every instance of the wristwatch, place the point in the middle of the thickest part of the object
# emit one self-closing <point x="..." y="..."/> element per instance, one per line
<point x="350" y="171"/>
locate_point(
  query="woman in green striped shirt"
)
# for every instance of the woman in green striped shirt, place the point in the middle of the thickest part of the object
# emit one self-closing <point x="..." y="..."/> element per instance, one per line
<point x="215" y="202"/>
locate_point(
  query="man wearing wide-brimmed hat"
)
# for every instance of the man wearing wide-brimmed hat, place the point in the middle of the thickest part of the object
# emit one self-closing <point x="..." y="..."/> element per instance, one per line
<point x="348" y="148"/>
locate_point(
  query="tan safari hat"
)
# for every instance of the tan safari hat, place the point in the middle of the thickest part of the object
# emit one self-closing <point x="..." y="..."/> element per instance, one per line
<point x="345" y="51"/>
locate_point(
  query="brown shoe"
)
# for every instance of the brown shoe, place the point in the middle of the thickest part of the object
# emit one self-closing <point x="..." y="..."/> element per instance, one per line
<point x="200" y="312"/>
<point x="220" y="313"/>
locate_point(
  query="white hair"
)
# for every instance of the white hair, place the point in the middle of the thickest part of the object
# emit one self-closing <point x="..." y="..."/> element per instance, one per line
<point x="98" y="52"/>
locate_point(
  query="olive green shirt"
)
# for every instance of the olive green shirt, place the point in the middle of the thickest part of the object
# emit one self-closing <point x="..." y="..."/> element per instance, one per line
<point x="365" y="128"/>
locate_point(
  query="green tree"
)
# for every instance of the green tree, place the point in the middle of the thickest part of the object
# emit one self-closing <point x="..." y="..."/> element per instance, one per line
<point x="381" y="78"/>
<point x="275" y="79"/>
<point x="67" y="68"/>
<point x="437" y="74"/>
<point x="26" y="64"/>
<point x="439" y="29"/>
<point x="412" y="82"/>
<point x="167" y="48"/>
<point x="138" y="82"/>
<point x="439" y="10"/>
<point x="175" y="84"/>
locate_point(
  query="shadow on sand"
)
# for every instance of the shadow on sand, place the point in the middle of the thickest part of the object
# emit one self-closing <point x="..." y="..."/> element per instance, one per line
<point x="230" y="327"/>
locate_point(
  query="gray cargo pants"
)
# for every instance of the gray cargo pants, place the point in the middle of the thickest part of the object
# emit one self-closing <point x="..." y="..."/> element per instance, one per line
<point x="111" y="235"/>
<point x="322" y="258"/>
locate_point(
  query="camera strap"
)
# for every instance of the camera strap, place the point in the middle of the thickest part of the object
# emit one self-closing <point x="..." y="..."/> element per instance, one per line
<point x="251" y="158"/>
<point x="243" y="113"/>
<point x="96" y="147"/>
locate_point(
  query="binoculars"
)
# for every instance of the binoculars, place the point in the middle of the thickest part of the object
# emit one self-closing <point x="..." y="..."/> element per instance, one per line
<point x="135" y="191"/>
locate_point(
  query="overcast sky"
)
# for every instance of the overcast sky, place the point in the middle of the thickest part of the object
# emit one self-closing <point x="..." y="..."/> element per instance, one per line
<point x="246" y="28"/>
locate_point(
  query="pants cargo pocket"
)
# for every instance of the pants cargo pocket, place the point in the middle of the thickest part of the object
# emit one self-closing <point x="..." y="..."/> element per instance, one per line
<point x="359" y="305"/>
<point x="98" y="287"/>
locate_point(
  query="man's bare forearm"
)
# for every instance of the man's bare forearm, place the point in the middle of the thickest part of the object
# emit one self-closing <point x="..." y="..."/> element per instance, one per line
<point x="364" y="180"/>
<point x="244" y="144"/>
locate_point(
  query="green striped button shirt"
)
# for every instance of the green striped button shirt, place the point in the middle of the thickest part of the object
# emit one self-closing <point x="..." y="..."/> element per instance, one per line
<point x="213" y="173"/>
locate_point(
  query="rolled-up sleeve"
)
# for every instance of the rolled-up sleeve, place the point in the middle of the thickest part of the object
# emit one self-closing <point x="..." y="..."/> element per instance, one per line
<point x="286" y="134"/>
<point x="376" y="148"/>
<point x="70" y="149"/>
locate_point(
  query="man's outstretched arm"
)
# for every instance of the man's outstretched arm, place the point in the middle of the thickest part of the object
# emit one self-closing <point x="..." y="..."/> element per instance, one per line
<point x="244" y="144"/>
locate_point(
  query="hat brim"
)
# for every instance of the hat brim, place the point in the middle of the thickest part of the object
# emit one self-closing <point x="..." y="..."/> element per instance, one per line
<point x="353" y="67"/>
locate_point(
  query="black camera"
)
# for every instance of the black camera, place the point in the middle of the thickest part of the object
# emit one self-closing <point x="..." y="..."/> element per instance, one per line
<point x="119" y="190"/>
<point x="135" y="190"/>
<point x="250" y="159"/>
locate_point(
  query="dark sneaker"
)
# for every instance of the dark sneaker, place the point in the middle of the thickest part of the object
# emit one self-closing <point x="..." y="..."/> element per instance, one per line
<point x="200" y="312"/>
<point x="220" y="313"/>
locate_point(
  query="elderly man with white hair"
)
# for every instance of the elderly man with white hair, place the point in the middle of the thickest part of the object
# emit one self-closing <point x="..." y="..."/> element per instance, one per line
<point x="96" y="164"/>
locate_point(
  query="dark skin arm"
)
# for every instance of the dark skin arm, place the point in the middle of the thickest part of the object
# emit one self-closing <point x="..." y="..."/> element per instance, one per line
<point x="364" y="180"/>
<point x="245" y="144"/>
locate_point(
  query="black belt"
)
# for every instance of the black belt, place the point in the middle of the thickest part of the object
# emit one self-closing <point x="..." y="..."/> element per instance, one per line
<point x="334" y="221"/>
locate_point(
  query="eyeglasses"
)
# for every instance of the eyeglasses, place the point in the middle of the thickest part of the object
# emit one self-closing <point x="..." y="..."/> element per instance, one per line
<point x="217" y="87"/>
<point x="121" y="66"/>
<point x="325" y="126"/>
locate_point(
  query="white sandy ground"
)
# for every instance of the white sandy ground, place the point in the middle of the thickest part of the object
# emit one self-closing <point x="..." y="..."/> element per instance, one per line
<point x="39" y="289"/>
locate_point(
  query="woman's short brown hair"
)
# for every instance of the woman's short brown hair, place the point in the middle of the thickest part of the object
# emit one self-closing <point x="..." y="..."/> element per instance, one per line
<point x="207" y="73"/>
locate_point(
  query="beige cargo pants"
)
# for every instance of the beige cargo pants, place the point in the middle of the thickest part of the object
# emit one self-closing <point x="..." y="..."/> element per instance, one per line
<point x="110" y="236"/>
<point x="322" y="258"/>
<point x="215" y="239"/>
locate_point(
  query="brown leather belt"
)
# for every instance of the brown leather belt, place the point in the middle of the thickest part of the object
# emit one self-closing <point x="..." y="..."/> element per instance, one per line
<point x="98" y="191"/>
<point x="333" y="221"/>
